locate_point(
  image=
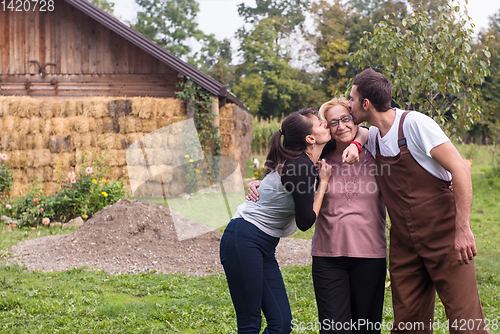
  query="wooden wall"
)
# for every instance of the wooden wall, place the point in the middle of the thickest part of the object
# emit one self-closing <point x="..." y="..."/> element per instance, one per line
<point x="90" y="59"/>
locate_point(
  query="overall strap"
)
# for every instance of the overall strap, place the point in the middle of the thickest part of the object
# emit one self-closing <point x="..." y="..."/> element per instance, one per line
<point x="401" y="137"/>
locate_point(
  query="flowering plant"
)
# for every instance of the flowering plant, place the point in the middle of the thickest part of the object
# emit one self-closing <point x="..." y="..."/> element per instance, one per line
<point x="81" y="194"/>
<point x="6" y="175"/>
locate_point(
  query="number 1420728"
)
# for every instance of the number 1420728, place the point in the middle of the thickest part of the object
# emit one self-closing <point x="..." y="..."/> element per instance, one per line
<point x="27" y="5"/>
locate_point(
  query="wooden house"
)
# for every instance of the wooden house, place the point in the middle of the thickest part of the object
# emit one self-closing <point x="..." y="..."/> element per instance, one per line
<point x="70" y="60"/>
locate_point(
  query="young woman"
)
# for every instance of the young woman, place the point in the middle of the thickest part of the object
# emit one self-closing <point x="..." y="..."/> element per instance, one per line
<point x="288" y="199"/>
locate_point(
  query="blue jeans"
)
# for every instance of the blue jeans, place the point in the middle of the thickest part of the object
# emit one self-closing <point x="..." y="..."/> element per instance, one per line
<point x="254" y="278"/>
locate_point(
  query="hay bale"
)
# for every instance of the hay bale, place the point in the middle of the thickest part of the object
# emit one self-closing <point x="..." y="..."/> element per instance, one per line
<point x="71" y="107"/>
<point x="39" y="158"/>
<point x="133" y="137"/>
<point x="87" y="107"/>
<point x="60" y="144"/>
<point x="109" y="140"/>
<point x="106" y="125"/>
<point x="83" y="141"/>
<point x="46" y="127"/>
<point x="33" y="142"/>
<point x="23" y="125"/>
<point x="63" y="160"/>
<point x="23" y="107"/>
<point x="48" y="174"/>
<point x="4" y="106"/>
<point x="9" y="122"/>
<point x="20" y="175"/>
<point x="30" y="142"/>
<point x="148" y="125"/>
<point x="18" y="189"/>
<point x="171" y="107"/>
<point x="144" y="107"/>
<point x="30" y="155"/>
<point x="32" y="175"/>
<point x="60" y="126"/>
<point x="50" y="187"/>
<point x="132" y="124"/>
<point x="80" y="153"/>
<point x="119" y="108"/>
<point x="35" y="124"/>
<point x="117" y="173"/>
<point x="99" y="108"/>
<point x="115" y="158"/>
<point x="18" y="159"/>
<point x="124" y="144"/>
<point x="82" y="124"/>
<point x="38" y="143"/>
<point x="45" y="109"/>
<point x="80" y="107"/>
<point x="16" y="142"/>
<point x="163" y="121"/>
<point x="58" y="108"/>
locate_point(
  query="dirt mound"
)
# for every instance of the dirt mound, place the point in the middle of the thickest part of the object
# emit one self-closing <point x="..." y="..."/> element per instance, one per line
<point x="132" y="236"/>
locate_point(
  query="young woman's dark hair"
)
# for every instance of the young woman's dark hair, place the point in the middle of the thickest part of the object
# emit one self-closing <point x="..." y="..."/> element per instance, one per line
<point x="294" y="130"/>
<point x="375" y="87"/>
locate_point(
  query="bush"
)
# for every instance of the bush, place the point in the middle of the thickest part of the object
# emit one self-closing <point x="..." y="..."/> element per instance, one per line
<point x="263" y="130"/>
<point x="6" y="176"/>
<point x="81" y="193"/>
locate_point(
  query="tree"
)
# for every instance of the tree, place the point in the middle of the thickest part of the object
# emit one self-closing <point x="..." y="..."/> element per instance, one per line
<point x="490" y="89"/>
<point x="265" y="75"/>
<point x="433" y="73"/>
<point x="292" y="10"/>
<point x="105" y="6"/>
<point x="216" y="62"/>
<point x="171" y="23"/>
<point x="339" y="27"/>
<point x="250" y="90"/>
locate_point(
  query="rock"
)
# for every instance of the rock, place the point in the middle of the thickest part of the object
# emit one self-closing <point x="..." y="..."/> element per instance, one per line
<point x="76" y="222"/>
<point x="55" y="224"/>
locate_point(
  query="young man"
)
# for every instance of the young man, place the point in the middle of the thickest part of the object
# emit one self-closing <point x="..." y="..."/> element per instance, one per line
<point x="432" y="247"/>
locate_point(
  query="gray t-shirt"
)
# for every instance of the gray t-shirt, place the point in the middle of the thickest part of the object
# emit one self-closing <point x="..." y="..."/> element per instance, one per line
<point x="286" y="201"/>
<point x="274" y="212"/>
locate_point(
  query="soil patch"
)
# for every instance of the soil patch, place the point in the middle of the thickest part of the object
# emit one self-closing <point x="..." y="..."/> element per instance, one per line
<point x="133" y="236"/>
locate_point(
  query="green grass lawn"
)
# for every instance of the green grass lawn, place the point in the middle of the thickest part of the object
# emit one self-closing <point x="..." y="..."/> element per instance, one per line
<point x="91" y="301"/>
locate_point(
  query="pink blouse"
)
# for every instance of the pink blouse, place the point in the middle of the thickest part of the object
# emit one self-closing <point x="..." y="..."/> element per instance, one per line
<point x="351" y="221"/>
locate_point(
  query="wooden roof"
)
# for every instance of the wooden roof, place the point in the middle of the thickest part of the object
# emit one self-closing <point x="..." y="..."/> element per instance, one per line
<point x="205" y="81"/>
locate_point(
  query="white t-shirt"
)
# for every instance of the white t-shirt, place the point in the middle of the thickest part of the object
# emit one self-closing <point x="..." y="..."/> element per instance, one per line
<point x="422" y="134"/>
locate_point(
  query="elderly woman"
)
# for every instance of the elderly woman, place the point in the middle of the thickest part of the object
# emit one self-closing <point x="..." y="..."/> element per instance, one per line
<point x="349" y="242"/>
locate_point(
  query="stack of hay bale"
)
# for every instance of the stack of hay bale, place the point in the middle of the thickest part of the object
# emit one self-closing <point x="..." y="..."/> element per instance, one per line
<point x="44" y="137"/>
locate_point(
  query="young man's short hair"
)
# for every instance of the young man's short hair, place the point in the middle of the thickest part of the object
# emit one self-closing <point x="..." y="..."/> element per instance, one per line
<point x="375" y="87"/>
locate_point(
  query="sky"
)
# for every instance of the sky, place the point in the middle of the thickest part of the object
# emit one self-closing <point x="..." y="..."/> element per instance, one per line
<point x="220" y="17"/>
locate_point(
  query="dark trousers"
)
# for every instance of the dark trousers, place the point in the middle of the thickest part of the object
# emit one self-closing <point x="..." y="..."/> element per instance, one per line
<point x="349" y="293"/>
<point x="254" y="278"/>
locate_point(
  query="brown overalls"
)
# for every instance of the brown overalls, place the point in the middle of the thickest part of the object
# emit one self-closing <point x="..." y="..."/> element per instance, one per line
<point x="422" y="247"/>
